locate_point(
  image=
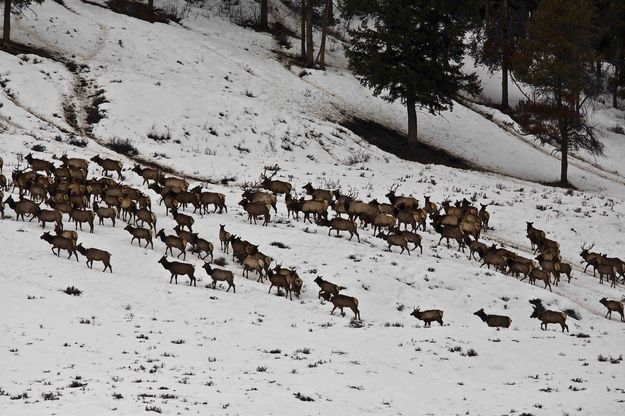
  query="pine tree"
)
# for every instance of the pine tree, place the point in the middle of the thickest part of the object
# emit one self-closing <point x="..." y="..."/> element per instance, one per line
<point x="613" y="45"/>
<point x="495" y="41"/>
<point x="13" y="6"/>
<point x="556" y="60"/>
<point x="264" y="12"/>
<point x="411" y="51"/>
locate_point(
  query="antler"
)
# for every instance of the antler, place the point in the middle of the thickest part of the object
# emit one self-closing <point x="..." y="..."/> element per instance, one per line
<point x="394" y="187"/>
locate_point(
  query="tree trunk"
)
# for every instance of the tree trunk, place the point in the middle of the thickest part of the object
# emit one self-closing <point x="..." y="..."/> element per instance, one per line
<point x="412" y="119"/>
<point x="324" y="34"/>
<point x="303" y="30"/>
<point x="615" y="88"/>
<point x="151" y="5"/>
<point x="505" y="58"/>
<point x="6" y="33"/>
<point x="310" y="52"/>
<point x="598" y="68"/>
<point x="264" y="24"/>
<point x="564" y="167"/>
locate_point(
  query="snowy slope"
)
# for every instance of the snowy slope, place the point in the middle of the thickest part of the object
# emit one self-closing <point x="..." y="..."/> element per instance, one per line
<point x="144" y="343"/>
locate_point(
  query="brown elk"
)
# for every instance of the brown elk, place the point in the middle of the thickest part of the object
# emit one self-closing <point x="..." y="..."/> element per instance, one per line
<point x="75" y="163"/>
<point x="590" y="258"/>
<point x="72" y="235"/>
<point x="280" y="281"/>
<point x="549" y="317"/>
<point x="94" y="254"/>
<point x="22" y="207"/>
<point x="293" y="206"/>
<point x="254" y="264"/>
<point x="49" y="215"/>
<point x="200" y="245"/>
<point x="140" y="234"/>
<point x="342" y="224"/>
<point x="384" y="208"/>
<point x="182" y="220"/>
<point x="428" y="316"/>
<point x="204" y="199"/>
<point x="395" y="240"/>
<point x="449" y="232"/>
<point x="39" y="165"/>
<point x="275" y="186"/>
<point x="80" y="216"/>
<point x="104" y="212"/>
<point x="475" y="246"/>
<point x="410" y="237"/>
<point x="318" y="208"/>
<point x="60" y="243"/>
<point x="607" y="270"/>
<point x="327" y="289"/>
<point x="383" y="221"/>
<point x="613" y="306"/>
<point x="147" y="174"/>
<point x="224" y="238"/>
<point x="220" y="275"/>
<point x="260" y="197"/>
<point x="108" y="165"/>
<point x="498" y="261"/>
<point x="484" y="216"/>
<point x="495" y="321"/>
<point x="539" y="274"/>
<point x="144" y="216"/>
<point x="318" y="194"/>
<point x="241" y="248"/>
<point x="177" y="268"/>
<point x="535" y="235"/>
<point x="408" y="202"/>
<point x="173" y="241"/>
<point x="343" y="301"/>
<point x="517" y="266"/>
<point x="255" y="210"/>
<point x="430" y="207"/>
<point x="175" y="184"/>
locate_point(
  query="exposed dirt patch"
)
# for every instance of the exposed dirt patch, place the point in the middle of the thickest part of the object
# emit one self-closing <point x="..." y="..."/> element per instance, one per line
<point x="138" y="11"/>
<point x="18" y="48"/>
<point x="396" y="143"/>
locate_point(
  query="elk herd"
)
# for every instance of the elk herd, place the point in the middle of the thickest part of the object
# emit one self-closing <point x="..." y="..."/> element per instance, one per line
<point x="67" y="190"/>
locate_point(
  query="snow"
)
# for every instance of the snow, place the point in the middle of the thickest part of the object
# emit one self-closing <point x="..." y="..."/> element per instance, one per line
<point x="145" y="343"/>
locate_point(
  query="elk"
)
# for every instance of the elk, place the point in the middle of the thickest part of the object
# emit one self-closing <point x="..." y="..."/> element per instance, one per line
<point x="407" y="201"/>
<point x="60" y="243"/>
<point x="327" y="289"/>
<point x="94" y="254"/>
<point x="384" y="221"/>
<point x="430" y="207"/>
<point x="590" y="258"/>
<point x="105" y="212"/>
<point x="319" y="209"/>
<point x="75" y="163"/>
<point x="535" y="235"/>
<point x="224" y="238"/>
<point x="496" y="321"/>
<point x="146" y="216"/>
<point x="147" y="174"/>
<point x="182" y="220"/>
<point x="607" y="270"/>
<point x="549" y="317"/>
<point x="343" y="301"/>
<point x="395" y="240"/>
<point x="22" y="207"/>
<point x="383" y="208"/>
<point x="484" y="216"/>
<point x="261" y="197"/>
<point x="255" y="210"/>
<point x="342" y="224"/>
<point x="496" y="260"/>
<point x="204" y="199"/>
<point x="293" y="206"/>
<point x="220" y="275"/>
<point x="475" y="246"/>
<point x="613" y="306"/>
<point x="176" y="268"/>
<point x="171" y="242"/>
<point x="318" y="194"/>
<point x="241" y="248"/>
<point x="410" y="237"/>
<point x="539" y="274"/>
<point x="517" y="267"/>
<point x="428" y="316"/>
<point x="566" y="269"/>
<point x="254" y="264"/>
<point x="183" y="198"/>
<point x="72" y="235"/>
<point x="361" y="210"/>
<point x="39" y="165"/>
<point x="80" y="216"/>
<point x="279" y="281"/>
<point x="450" y="232"/>
<point x="108" y="165"/>
<point x="200" y="245"/>
<point x="49" y="215"/>
<point x="140" y="234"/>
<point x="470" y="228"/>
<point x="275" y="186"/>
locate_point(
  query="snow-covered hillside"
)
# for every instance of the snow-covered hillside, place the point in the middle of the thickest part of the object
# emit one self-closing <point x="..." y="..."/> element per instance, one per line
<point x="213" y="101"/>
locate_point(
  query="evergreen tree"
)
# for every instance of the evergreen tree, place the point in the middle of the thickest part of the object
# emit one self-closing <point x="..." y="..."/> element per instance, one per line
<point x="495" y="41"/>
<point x="614" y="46"/>
<point x="412" y="51"/>
<point x="12" y="7"/>
<point x="556" y="60"/>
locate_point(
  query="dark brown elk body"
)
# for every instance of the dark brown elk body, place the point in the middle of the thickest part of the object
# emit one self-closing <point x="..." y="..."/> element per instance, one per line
<point x="280" y="281"/>
<point x="607" y="270"/>
<point x="140" y="234"/>
<point x="220" y="275"/>
<point x="327" y="289"/>
<point x="108" y="165"/>
<point x="450" y="232"/>
<point x="182" y="220"/>
<point x="343" y="301"/>
<point x="72" y="235"/>
<point x="176" y="268"/>
<point x="254" y="264"/>
<point x="549" y="317"/>
<point x="255" y="210"/>
<point x="613" y="306"/>
<point x="276" y="186"/>
<point x="75" y="163"/>
<point x="318" y="208"/>
<point x="60" y="243"/>
<point x="144" y="216"/>
<point x="200" y="245"/>
<point x="484" y="216"/>
<point x="224" y="238"/>
<point x="293" y="206"/>
<point x="39" y="165"/>
<point x="590" y="258"/>
<point x="475" y="246"/>
<point x="535" y="235"/>
<point x="395" y="240"/>
<point x="342" y="224"/>
<point x="22" y="207"/>
<point x="496" y="321"/>
<point x="204" y="199"/>
<point x="148" y="174"/>
<point x="80" y="216"/>
<point x="538" y="274"/>
<point x="410" y="237"/>
<point x="173" y="241"/>
<point x="104" y="212"/>
<point x="517" y="267"/>
<point x="94" y="254"/>
<point x="407" y="201"/>
<point x="49" y="215"/>
<point x="318" y="194"/>
<point x="428" y="316"/>
<point x="260" y="197"/>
